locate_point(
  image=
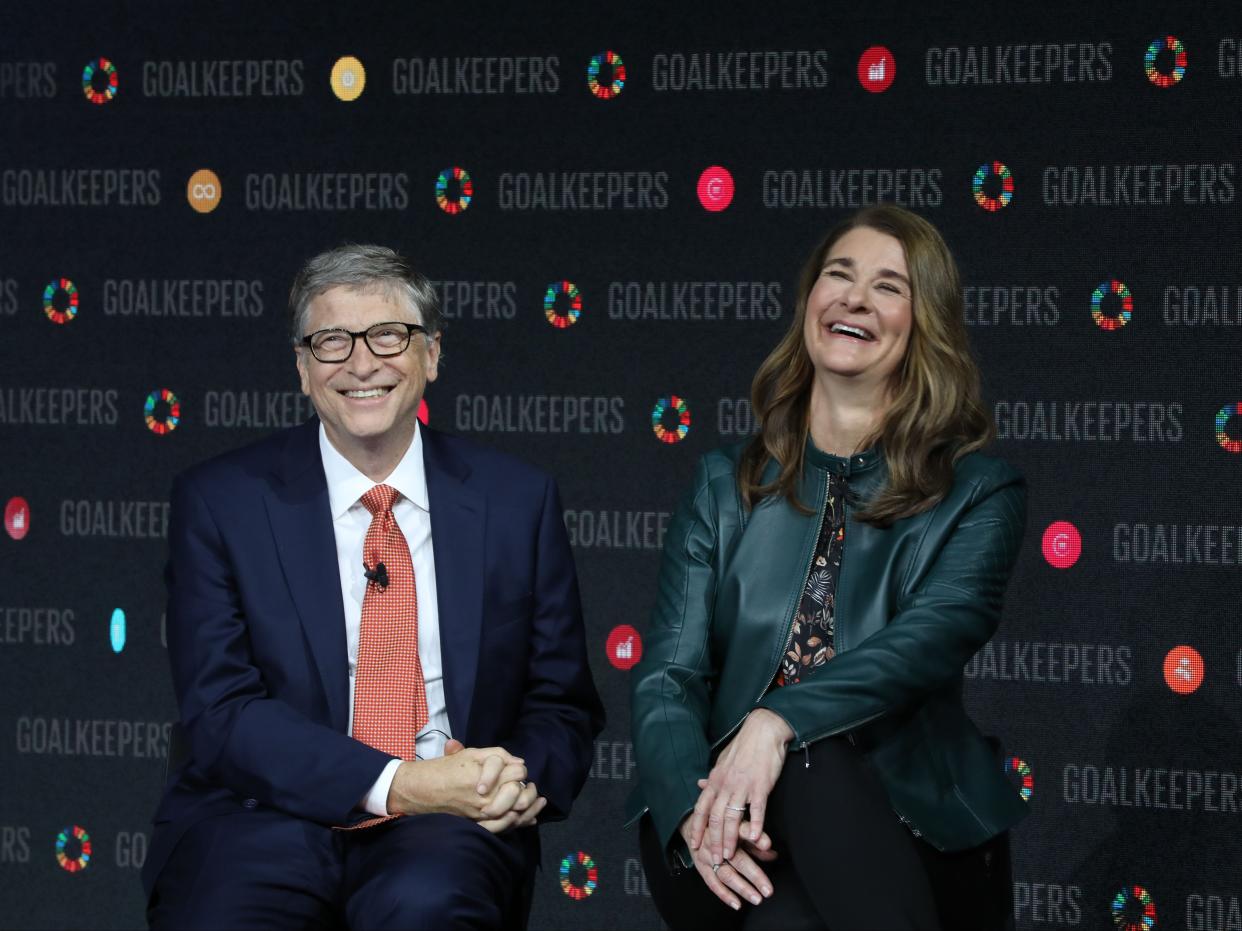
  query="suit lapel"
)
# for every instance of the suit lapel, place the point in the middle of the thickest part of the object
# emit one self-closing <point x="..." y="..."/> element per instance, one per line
<point x="301" y="521"/>
<point x="458" y="522"/>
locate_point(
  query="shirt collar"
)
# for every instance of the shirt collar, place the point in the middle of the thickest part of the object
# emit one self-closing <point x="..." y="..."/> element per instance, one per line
<point x="346" y="484"/>
<point x="841" y="465"/>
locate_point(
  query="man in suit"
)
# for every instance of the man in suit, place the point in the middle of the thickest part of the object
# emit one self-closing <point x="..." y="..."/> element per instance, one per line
<point x="367" y="619"/>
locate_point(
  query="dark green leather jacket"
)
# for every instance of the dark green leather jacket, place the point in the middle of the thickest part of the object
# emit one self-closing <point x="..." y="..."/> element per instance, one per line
<point x="913" y="603"/>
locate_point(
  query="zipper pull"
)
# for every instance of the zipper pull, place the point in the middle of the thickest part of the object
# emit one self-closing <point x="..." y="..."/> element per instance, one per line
<point x="807" y="750"/>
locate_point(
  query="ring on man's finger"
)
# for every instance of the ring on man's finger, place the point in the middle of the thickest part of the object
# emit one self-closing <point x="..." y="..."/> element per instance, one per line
<point x="736" y="807"/>
<point x="522" y="783"/>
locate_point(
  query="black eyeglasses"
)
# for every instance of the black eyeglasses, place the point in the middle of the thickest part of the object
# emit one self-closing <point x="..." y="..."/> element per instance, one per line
<point x="383" y="339"/>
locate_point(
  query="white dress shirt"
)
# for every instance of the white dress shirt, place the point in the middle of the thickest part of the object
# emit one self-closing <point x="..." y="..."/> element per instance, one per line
<point x="350" y="521"/>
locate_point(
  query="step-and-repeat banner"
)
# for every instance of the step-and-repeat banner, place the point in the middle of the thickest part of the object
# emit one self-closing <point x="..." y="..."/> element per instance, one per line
<point x="614" y="204"/>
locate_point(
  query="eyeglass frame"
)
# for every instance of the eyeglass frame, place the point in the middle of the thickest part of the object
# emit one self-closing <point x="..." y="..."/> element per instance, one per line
<point x="410" y="330"/>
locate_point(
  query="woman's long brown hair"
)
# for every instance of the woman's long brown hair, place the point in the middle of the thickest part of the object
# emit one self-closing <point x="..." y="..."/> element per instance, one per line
<point x="935" y="413"/>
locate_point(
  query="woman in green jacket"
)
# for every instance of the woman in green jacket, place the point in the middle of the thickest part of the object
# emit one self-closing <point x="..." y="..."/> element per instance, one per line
<point x="797" y="715"/>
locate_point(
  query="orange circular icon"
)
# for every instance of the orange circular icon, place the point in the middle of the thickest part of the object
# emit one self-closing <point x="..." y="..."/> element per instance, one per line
<point x="203" y="190"/>
<point x="1183" y="669"/>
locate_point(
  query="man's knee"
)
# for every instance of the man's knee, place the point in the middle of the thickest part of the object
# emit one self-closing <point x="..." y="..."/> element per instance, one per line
<point x="440" y="873"/>
<point x="432" y="899"/>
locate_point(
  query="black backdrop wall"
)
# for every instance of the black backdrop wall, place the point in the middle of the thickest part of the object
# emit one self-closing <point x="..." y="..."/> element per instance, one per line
<point x="615" y="203"/>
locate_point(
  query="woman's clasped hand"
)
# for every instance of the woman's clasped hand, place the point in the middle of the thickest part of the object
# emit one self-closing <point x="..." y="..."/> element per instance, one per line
<point x="725" y="831"/>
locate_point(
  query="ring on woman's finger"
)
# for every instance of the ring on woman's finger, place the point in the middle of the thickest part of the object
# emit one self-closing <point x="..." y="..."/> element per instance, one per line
<point x="716" y="868"/>
<point x="736" y="807"/>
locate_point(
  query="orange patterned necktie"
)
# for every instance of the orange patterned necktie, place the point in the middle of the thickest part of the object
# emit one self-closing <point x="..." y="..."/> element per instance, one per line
<point x="390" y="699"/>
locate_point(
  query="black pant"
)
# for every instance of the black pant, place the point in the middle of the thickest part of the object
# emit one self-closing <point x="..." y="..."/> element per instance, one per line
<point x="846" y="862"/>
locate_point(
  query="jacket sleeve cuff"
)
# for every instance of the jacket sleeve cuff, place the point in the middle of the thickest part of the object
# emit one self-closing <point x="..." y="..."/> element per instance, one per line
<point x="678" y="854"/>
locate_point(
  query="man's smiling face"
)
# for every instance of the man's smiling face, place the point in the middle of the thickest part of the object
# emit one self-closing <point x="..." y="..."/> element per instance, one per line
<point x="366" y="401"/>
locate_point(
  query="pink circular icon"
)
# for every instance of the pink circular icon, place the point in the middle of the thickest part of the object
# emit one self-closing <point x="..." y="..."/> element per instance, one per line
<point x="876" y="69"/>
<point x="625" y="647"/>
<point x="424" y="412"/>
<point x="715" y="188"/>
<point x="17" y="518"/>
<point x="1062" y="544"/>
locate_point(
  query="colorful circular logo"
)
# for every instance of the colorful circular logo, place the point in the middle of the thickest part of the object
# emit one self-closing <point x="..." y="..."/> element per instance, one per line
<point x="677" y="431"/>
<point x="99" y="81"/>
<point x="876" y="69"/>
<point x="64" y="290"/>
<point x="204" y="190"/>
<point x="17" y="518"/>
<point x="1165" y="78"/>
<point x="1183" y="669"/>
<point x="999" y="201"/>
<point x="1062" y="544"/>
<point x="1026" y="781"/>
<point x="73" y="849"/>
<point x="1133" y="909"/>
<point x="449" y="202"/>
<point x="1223" y="437"/>
<point x="625" y="647"/>
<point x="715" y="188"/>
<point x="579" y="876"/>
<point x="615" y="65"/>
<point x="573" y="299"/>
<point x="1104" y="321"/>
<point x="163" y="411"/>
<point x="348" y="78"/>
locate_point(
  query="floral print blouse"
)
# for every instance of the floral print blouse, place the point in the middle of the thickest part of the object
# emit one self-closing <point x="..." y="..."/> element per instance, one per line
<point x="812" y="637"/>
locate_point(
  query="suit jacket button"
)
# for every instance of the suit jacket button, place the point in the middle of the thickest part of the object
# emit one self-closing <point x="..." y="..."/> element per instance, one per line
<point x="250" y="803"/>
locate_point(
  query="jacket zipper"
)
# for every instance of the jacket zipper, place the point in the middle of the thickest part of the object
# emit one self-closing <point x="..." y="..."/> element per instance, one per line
<point x="845" y="516"/>
<point x="806" y="744"/>
<point x="819" y="527"/>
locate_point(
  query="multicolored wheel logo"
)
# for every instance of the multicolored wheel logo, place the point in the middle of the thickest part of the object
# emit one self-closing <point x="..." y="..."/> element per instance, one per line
<point x="171" y="414"/>
<point x="66" y="841"/>
<point x="610" y="90"/>
<point x="574" y="297"/>
<point x="1102" y="320"/>
<point x="1161" y="78"/>
<point x="676" y="433"/>
<point x="55" y="287"/>
<point x="1133" y="909"/>
<point x="88" y="81"/>
<point x="1222" y="422"/>
<point x="579" y="890"/>
<point x="984" y="200"/>
<point x="465" y="190"/>
<point x="1026" y="781"/>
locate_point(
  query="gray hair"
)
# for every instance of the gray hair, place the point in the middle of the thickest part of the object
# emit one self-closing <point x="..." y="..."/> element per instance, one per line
<point x="363" y="268"/>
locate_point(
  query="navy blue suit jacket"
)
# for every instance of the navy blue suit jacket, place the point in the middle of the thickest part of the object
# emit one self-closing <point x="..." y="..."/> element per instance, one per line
<point x="256" y="632"/>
